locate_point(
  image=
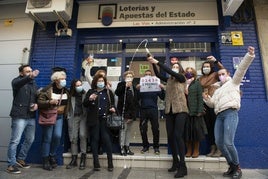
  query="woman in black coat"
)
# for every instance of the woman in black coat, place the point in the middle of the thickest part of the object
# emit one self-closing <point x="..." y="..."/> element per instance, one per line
<point x="127" y="107"/>
<point x="99" y="105"/>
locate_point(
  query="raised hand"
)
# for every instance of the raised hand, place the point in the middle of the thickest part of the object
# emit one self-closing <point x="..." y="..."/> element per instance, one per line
<point x="211" y="58"/>
<point x="34" y="74"/>
<point x="152" y="60"/>
<point x="251" y="50"/>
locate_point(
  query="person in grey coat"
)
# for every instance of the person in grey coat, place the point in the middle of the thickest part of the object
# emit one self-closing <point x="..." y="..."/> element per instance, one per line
<point x="77" y="124"/>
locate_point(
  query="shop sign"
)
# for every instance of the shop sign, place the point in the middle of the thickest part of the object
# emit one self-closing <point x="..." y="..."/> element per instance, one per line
<point x="142" y="14"/>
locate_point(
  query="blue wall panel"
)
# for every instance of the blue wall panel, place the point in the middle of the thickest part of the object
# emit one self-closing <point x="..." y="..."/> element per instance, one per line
<point x="48" y="51"/>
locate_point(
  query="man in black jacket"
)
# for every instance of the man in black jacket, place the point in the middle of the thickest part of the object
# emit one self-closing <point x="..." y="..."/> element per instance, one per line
<point x="23" y="113"/>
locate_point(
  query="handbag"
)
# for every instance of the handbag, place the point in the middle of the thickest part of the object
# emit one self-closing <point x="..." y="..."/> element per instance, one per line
<point x="114" y="121"/>
<point x="49" y="116"/>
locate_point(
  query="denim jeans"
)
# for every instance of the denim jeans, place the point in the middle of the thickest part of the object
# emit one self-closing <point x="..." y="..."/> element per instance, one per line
<point x="18" y="127"/>
<point x="51" y="137"/>
<point x="225" y="129"/>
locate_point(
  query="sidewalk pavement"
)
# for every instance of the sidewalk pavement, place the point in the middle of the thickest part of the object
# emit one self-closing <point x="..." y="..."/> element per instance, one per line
<point x="36" y="172"/>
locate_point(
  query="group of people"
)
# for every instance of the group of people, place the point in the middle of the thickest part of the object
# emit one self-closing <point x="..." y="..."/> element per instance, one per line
<point x="194" y="107"/>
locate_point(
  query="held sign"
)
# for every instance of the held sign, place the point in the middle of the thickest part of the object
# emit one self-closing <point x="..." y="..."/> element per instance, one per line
<point x="149" y="84"/>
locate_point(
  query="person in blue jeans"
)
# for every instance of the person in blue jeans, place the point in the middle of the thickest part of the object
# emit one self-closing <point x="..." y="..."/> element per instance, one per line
<point x="226" y="102"/>
<point x="53" y="95"/>
<point x="23" y="114"/>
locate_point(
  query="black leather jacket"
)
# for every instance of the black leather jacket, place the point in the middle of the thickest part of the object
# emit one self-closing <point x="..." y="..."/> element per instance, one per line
<point x="24" y="93"/>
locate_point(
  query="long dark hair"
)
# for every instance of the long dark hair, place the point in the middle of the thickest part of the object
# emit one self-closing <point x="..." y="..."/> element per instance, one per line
<point x="72" y="88"/>
<point x="181" y="70"/>
<point x="212" y="68"/>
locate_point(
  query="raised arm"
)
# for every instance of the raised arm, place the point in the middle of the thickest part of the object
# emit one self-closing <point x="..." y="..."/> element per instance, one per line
<point x="243" y="66"/>
<point x="215" y="61"/>
<point x="158" y="74"/>
<point x="178" y="76"/>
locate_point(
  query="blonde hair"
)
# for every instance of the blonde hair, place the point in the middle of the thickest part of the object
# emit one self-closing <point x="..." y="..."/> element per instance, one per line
<point x="57" y="75"/>
<point x="194" y="72"/>
<point x="128" y="72"/>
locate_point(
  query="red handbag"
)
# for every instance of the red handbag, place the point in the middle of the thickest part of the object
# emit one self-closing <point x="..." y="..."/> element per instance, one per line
<point x="48" y="116"/>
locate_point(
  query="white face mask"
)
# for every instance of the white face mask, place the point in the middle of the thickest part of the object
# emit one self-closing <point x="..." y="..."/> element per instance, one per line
<point x="129" y="79"/>
<point x="175" y="70"/>
<point x="206" y="70"/>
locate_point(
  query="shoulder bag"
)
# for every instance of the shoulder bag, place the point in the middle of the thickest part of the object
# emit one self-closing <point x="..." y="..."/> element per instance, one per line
<point x="49" y="116"/>
<point x="114" y="121"/>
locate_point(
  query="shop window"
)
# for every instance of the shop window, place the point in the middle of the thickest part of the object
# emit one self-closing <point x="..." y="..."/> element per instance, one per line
<point x="190" y="47"/>
<point x="191" y="54"/>
<point x="140" y="48"/>
<point x="103" y="48"/>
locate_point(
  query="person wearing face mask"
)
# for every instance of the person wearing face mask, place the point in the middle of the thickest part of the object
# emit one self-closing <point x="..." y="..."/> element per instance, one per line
<point x="208" y="78"/>
<point x="176" y="111"/>
<point x="23" y="113"/>
<point x="77" y="124"/>
<point x="226" y="102"/>
<point x="195" y="125"/>
<point x="149" y="112"/>
<point x="54" y="95"/>
<point x="127" y="106"/>
<point x="99" y="102"/>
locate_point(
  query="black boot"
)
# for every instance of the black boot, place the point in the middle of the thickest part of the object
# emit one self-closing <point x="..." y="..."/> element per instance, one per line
<point x="128" y="151"/>
<point x="123" y="151"/>
<point x="96" y="163"/>
<point x="53" y="161"/>
<point x="230" y="171"/>
<point x="237" y="174"/>
<point x="73" y="162"/>
<point x="175" y="164"/>
<point x="182" y="170"/>
<point x="110" y="163"/>
<point x="83" y="161"/>
<point x="46" y="164"/>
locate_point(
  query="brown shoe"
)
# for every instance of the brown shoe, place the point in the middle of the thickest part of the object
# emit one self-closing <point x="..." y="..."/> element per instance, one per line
<point x="13" y="169"/>
<point x="196" y="149"/>
<point x="189" y="149"/>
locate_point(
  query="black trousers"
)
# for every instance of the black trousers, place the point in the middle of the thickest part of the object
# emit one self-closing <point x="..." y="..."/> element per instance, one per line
<point x="100" y="132"/>
<point x="152" y="116"/>
<point x="175" y="126"/>
<point x="210" y="119"/>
